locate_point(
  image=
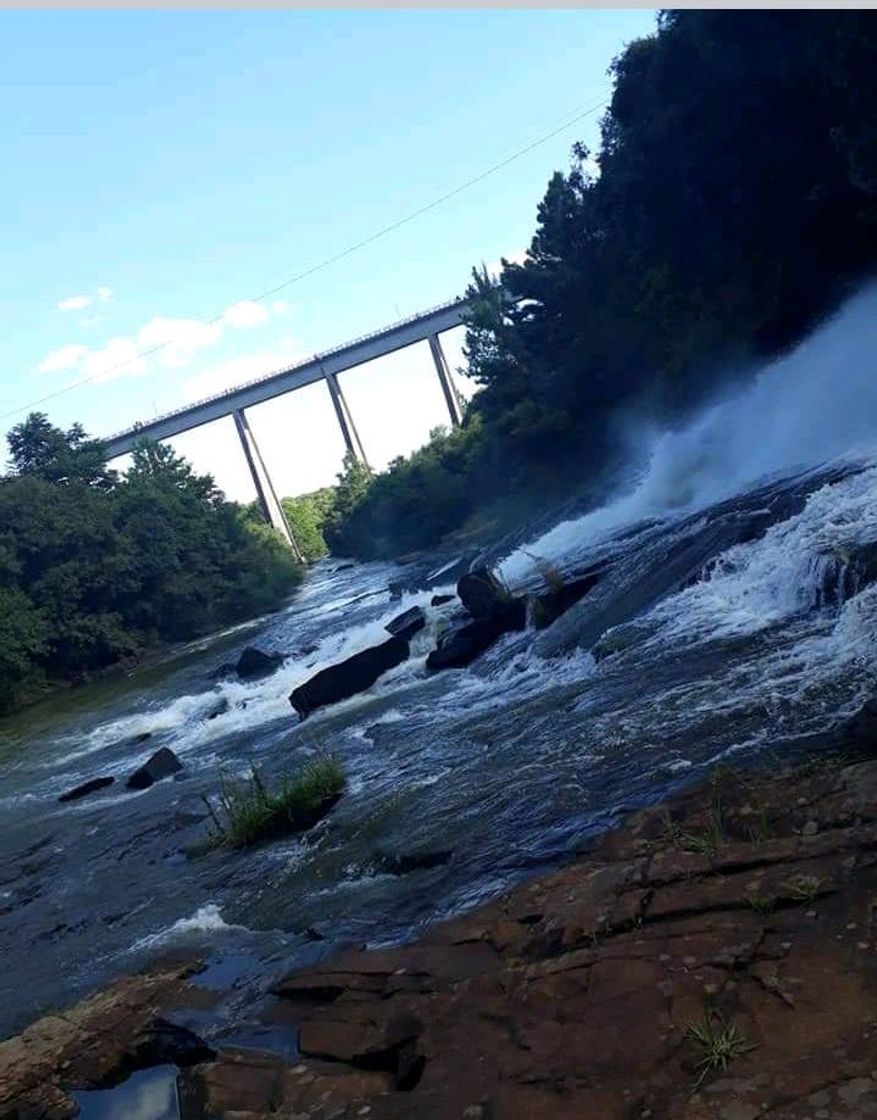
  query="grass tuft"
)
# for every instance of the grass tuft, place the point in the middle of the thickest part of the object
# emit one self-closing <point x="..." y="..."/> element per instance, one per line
<point x="805" y="888"/>
<point x="719" y="1042"/>
<point x="248" y="811"/>
<point x="762" y="904"/>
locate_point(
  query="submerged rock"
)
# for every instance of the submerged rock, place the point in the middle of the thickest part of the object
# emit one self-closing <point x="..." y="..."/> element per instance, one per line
<point x="347" y="678"/>
<point x="403" y="863"/>
<point x="407" y="624"/>
<point x="440" y="600"/>
<point x="91" y="786"/>
<point x="161" y="765"/>
<point x="460" y="645"/>
<point x="253" y="664"/>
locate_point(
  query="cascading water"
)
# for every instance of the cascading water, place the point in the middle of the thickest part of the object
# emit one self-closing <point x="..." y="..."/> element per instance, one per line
<point x="735" y="615"/>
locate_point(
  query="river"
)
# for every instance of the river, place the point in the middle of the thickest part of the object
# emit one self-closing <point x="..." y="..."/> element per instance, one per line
<point x="733" y="620"/>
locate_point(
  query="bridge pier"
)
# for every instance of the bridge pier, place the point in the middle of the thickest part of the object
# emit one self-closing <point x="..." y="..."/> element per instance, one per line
<point x="270" y="505"/>
<point x="345" y="420"/>
<point x="452" y="397"/>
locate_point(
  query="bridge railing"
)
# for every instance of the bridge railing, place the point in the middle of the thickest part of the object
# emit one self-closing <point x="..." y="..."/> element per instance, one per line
<point x="287" y="369"/>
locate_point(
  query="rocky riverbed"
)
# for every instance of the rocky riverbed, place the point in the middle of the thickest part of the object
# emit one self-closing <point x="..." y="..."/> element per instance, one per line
<point x="713" y="958"/>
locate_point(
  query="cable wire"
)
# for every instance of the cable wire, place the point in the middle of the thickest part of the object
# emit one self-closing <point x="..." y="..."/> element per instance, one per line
<point x="326" y="262"/>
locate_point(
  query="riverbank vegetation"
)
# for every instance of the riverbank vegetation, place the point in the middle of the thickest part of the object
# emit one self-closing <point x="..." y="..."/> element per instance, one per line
<point x="731" y="206"/>
<point x="96" y="568"/>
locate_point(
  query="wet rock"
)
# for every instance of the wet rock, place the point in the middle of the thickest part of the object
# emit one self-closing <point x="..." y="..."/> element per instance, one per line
<point x="398" y="863"/>
<point x="161" y="765"/>
<point x="407" y="624"/>
<point x="253" y="664"/>
<point x="440" y="600"/>
<point x="344" y="567"/>
<point x="550" y="606"/>
<point x="91" y="786"/>
<point x="459" y="645"/>
<point x="349" y="677"/>
<point x="96" y="1044"/>
<point x="482" y="593"/>
<point x="219" y="709"/>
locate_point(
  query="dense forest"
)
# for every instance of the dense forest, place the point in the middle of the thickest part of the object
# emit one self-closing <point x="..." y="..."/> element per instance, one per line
<point x="96" y="568"/>
<point x="732" y="204"/>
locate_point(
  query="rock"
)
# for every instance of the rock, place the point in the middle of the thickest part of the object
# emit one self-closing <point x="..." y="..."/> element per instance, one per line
<point x="550" y="606"/>
<point x="460" y="645"/>
<point x="482" y="593"/>
<point x="161" y="765"/>
<point x="440" y="600"/>
<point x="407" y="624"/>
<point x="394" y="863"/>
<point x="344" y="567"/>
<point x="86" y="788"/>
<point x="347" y="678"/>
<point x="97" y="1044"/>
<point x="253" y="664"/>
<point x="219" y="709"/>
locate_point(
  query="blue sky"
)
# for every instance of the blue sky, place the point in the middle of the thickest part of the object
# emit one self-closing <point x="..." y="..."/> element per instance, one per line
<point x="163" y="168"/>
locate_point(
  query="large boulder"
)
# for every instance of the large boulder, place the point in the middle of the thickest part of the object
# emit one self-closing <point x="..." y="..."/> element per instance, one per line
<point x="91" y="786"/>
<point x="347" y="678"/>
<point x="482" y="593"/>
<point x="550" y="606"/>
<point x="161" y="765"/>
<point x="407" y="624"/>
<point x="460" y="645"/>
<point x="253" y="664"/>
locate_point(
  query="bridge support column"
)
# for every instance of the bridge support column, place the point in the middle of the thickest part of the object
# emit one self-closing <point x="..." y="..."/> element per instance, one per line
<point x="345" y="420"/>
<point x="452" y="397"/>
<point x="270" y="505"/>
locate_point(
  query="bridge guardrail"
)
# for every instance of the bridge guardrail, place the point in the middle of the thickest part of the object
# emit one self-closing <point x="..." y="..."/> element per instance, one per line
<point x="287" y="369"/>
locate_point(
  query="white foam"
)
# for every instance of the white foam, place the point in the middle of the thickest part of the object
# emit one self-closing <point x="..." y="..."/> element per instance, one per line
<point x="206" y="919"/>
<point x="816" y="404"/>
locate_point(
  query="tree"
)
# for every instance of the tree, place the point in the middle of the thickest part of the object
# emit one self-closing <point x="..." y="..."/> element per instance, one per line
<point x="38" y="448"/>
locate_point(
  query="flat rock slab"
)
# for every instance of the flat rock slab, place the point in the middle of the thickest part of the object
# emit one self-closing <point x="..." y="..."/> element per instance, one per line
<point x="573" y="997"/>
<point x="95" y="1043"/>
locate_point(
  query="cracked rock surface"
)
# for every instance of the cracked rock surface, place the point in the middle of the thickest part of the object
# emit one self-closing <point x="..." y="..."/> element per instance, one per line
<point x="745" y="910"/>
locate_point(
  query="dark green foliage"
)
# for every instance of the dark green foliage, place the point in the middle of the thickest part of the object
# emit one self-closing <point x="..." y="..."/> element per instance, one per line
<point x="249" y="812"/>
<point x="94" y="569"/>
<point x="307" y="515"/>
<point x="735" y="206"/>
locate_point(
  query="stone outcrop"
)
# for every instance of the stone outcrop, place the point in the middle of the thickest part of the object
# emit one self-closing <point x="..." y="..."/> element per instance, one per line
<point x="97" y="1043"/>
<point x="83" y="790"/>
<point x="407" y="624"/>
<point x="253" y="664"/>
<point x="549" y="606"/>
<point x="482" y="593"/>
<point x="744" y="911"/>
<point x="161" y="765"/>
<point x="746" y="907"/>
<point x="348" y="677"/>
<point x="459" y="645"/>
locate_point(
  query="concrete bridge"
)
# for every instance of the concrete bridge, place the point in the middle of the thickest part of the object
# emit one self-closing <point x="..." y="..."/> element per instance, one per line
<point x="425" y="327"/>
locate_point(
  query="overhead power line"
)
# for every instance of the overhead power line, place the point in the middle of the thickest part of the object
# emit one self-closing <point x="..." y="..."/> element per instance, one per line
<point x="320" y="265"/>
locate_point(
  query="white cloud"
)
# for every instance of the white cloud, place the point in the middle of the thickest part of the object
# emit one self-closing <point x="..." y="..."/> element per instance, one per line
<point x="179" y="339"/>
<point x="245" y="314"/>
<point x="104" y="294"/>
<point x="119" y="358"/>
<point x="64" y="358"/>
<point x="279" y="306"/>
<point x="74" y="303"/>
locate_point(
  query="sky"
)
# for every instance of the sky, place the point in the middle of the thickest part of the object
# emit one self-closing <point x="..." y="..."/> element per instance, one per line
<point x="163" y="170"/>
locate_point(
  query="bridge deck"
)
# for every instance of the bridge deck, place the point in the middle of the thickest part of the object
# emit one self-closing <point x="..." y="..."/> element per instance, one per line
<point x="417" y="328"/>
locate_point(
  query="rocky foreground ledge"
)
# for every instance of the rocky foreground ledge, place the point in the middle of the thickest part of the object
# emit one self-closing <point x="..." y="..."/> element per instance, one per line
<point x="712" y="959"/>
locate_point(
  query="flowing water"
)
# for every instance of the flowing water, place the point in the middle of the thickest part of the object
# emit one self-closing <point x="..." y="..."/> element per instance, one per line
<point x="736" y="616"/>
